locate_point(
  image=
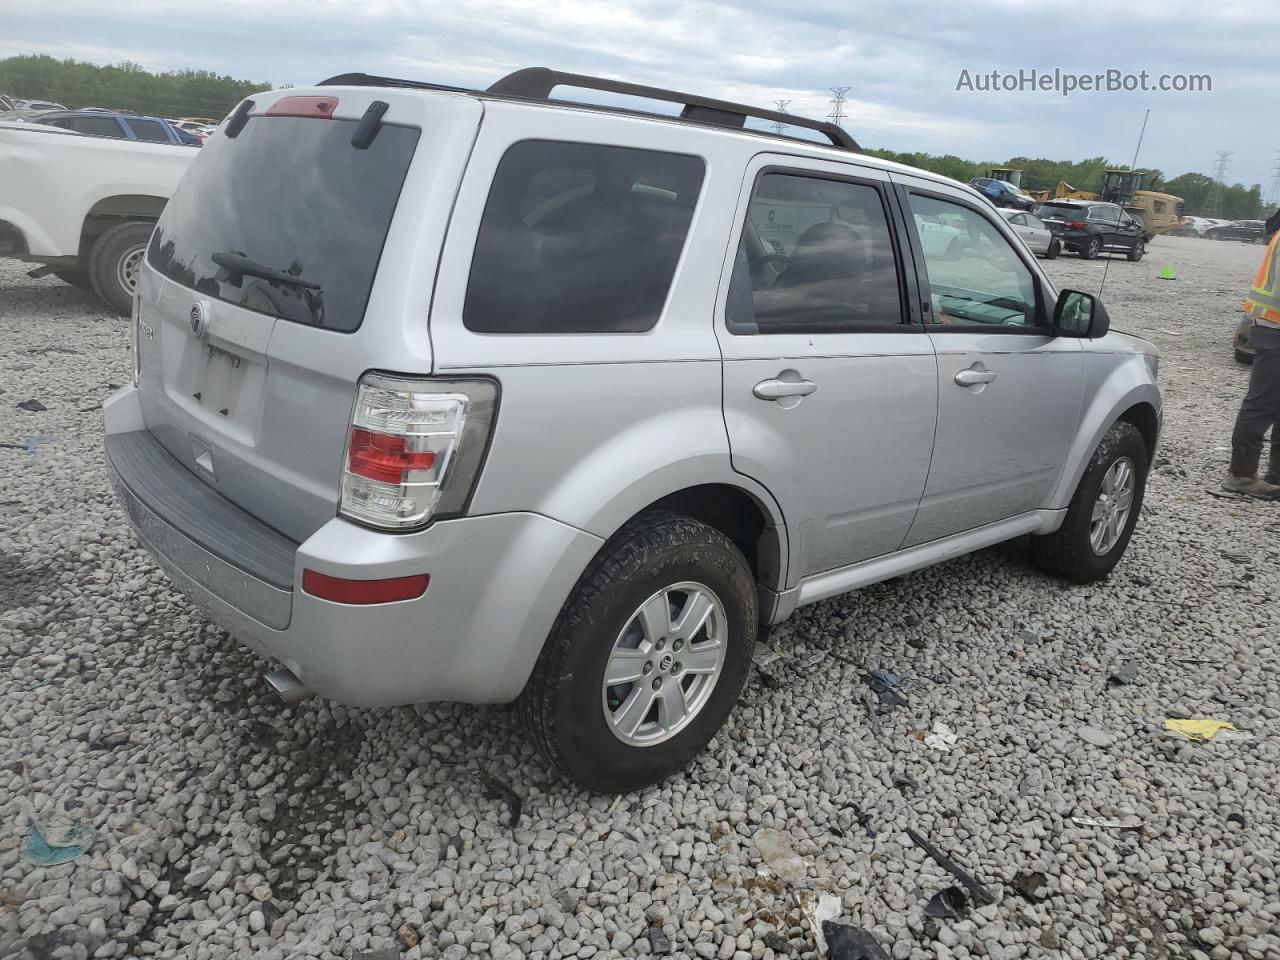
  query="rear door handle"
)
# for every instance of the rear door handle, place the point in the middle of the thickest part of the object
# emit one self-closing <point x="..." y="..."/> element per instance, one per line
<point x="973" y="376"/>
<point x="778" y="389"/>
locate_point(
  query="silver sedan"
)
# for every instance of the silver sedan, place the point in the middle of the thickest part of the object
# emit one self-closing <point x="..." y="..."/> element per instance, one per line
<point x="1038" y="237"/>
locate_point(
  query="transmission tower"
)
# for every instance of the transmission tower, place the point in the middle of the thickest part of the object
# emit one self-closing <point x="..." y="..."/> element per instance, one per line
<point x="1273" y="195"/>
<point x="1219" y="183"/>
<point x="837" y="104"/>
<point x="782" y="105"/>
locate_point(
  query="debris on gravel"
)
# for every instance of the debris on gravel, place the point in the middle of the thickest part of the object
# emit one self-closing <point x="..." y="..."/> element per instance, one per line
<point x="226" y="824"/>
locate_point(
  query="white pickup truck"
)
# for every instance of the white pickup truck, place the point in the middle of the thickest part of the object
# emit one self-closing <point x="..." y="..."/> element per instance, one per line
<point x="83" y="207"/>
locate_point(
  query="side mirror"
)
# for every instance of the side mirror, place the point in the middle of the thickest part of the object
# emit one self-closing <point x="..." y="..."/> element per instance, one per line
<point x="1080" y="315"/>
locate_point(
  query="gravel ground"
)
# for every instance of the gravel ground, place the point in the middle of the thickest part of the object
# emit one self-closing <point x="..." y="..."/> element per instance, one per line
<point x="223" y="824"/>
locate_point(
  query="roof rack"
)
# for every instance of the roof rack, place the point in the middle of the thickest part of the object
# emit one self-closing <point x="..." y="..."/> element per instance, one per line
<point x="536" y="83"/>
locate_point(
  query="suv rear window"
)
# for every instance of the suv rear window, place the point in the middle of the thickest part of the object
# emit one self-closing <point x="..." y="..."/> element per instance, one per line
<point x="291" y="194"/>
<point x="580" y="238"/>
<point x="1062" y="210"/>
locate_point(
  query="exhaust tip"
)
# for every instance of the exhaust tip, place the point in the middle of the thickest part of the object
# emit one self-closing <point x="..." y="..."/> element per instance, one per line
<point x="285" y="685"/>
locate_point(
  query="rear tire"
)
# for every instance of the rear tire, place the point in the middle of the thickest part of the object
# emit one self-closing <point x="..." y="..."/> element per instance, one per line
<point x="1070" y="552"/>
<point x="1136" y="251"/>
<point x="1055" y="248"/>
<point x="1091" y="249"/>
<point x="114" y="263"/>
<point x="576" y="719"/>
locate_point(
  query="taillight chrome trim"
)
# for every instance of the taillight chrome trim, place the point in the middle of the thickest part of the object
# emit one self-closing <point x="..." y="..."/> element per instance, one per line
<point x="462" y="461"/>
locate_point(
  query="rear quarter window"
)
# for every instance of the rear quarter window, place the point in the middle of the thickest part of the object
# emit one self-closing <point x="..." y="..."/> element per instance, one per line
<point x="580" y="238"/>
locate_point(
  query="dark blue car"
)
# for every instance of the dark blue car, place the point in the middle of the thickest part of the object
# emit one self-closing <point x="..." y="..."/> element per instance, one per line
<point x="123" y="126"/>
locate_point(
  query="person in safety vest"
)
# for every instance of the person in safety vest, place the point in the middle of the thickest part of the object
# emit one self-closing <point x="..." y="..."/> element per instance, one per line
<point x="1261" y="407"/>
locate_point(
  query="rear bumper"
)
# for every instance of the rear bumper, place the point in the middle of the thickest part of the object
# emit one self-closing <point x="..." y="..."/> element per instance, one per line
<point x="497" y="584"/>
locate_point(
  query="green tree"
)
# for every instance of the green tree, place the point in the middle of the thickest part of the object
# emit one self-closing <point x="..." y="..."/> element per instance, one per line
<point x="124" y="86"/>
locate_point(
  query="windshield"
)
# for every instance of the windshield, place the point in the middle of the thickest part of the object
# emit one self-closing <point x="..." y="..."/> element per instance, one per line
<point x="290" y="194"/>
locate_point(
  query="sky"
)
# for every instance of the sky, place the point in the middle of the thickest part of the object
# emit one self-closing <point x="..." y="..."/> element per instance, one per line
<point x="901" y="61"/>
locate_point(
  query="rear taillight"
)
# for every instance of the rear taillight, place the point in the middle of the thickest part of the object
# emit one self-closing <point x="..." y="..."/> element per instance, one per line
<point x="1075" y="224"/>
<point x="414" y="449"/>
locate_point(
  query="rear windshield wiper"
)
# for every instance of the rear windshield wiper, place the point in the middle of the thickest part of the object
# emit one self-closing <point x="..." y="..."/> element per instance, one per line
<point x="236" y="267"/>
<point x="239" y="266"/>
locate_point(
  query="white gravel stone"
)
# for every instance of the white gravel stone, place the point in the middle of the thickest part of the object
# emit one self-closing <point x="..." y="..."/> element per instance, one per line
<point x="228" y="825"/>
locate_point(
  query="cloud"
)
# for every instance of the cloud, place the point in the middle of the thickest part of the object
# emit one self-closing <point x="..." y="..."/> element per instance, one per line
<point x="901" y="61"/>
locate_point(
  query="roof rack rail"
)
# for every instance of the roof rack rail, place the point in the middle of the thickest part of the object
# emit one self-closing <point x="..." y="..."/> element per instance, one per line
<point x="536" y="83"/>
<point x="369" y="80"/>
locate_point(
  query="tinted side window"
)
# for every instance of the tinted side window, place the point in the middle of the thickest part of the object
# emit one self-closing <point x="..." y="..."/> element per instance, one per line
<point x="816" y="256"/>
<point x="98" y="126"/>
<point x="580" y="238"/>
<point x="149" y="130"/>
<point x="975" y="275"/>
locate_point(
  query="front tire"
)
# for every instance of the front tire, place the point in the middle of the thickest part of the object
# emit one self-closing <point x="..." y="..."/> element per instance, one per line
<point x="1103" y="513"/>
<point x="648" y="656"/>
<point x="115" y="261"/>
<point x="1136" y="251"/>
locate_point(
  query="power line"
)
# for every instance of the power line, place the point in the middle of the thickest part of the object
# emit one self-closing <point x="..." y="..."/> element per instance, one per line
<point x="778" y="125"/>
<point x="1220" y="166"/>
<point x="837" y="113"/>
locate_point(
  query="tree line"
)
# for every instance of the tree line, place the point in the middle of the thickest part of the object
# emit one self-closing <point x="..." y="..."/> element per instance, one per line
<point x="199" y="93"/>
<point x="1238" y="202"/>
<point x="124" y="86"/>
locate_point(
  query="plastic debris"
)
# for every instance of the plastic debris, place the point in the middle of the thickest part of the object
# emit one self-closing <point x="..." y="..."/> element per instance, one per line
<point x="1123" y="675"/>
<point x="1239" y="818"/>
<point x="1236" y="556"/>
<point x="659" y="942"/>
<point x="765" y="656"/>
<point x="920" y="643"/>
<point x="845" y="942"/>
<point x="34" y="443"/>
<point x="904" y="783"/>
<point x="1031" y="886"/>
<point x="981" y="895"/>
<point x="1166" y="273"/>
<point x="59" y="848"/>
<point x="775" y="847"/>
<point x="1197" y="728"/>
<point x="817" y="910"/>
<point x="495" y="789"/>
<point x="1129" y="823"/>
<point x="949" y="903"/>
<point x="32" y="406"/>
<point x="942" y="738"/>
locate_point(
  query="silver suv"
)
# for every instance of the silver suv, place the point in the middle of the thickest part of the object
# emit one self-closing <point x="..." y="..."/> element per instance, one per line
<point x="482" y="396"/>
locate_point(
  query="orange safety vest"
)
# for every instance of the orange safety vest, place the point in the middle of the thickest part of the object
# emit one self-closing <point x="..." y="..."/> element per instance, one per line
<point x="1263" y="302"/>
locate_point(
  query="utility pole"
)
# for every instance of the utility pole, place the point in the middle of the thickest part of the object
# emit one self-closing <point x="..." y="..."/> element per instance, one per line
<point x="1219" y="183"/>
<point x="1273" y="195"/>
<point x="837" y="104"/>
<point x="778" y="125"/>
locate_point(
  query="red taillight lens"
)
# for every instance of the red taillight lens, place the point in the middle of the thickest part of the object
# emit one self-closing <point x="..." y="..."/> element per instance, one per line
<point x="318" y="107"/>
<point x="340" y="590"/>
<point x="384" y="458"/>
<point x="1075" y="224"/>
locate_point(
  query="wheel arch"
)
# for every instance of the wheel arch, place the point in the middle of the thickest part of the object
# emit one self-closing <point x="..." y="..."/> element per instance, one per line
<point x="109" y="211"/>
<point x="1128" y="395"/>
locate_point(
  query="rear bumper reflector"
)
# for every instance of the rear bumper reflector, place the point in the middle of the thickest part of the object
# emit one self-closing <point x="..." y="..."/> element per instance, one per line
<point x="340" y="590"/>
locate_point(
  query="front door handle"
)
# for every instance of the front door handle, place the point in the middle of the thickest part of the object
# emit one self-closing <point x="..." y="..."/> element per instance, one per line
<point x="778" y="389"/>
<point x="974" y="376"/>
